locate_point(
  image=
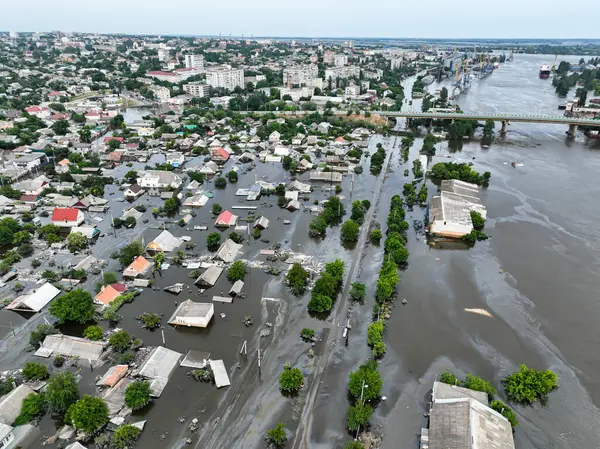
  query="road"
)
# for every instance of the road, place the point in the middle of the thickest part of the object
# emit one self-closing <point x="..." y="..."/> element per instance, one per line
<point x="302" y="437"/>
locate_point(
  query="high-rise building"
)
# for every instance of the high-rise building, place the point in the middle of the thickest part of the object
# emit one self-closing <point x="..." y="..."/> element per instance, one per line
<point x="163" y="54"/>
<point x="161" y="93"/>
<point x="340" y="60"/>
<point x="341" y="73"/>
<point x="225" y="76"/>
<point x="298" y="75"/>
<point x="328" y="57"/>
<point x="196" y="89"/>
<point x="194" y="62"/>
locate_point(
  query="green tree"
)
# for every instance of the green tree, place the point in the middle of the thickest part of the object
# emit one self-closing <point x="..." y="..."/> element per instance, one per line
<point x="220" y="182"/>
<point x="62" y="391"/>
<point x="444" y="94"/>
<point x="129" y="252"/>
<point x="366" y="374"/>
<point x="528" y="385"/>
<point x="213" y="240"/>
<point x="61" y="127"/>
<point x="76" y="305"/>
<point x="40" y="332"/>
<point x="130" y="176"/>
<point x="276" y="436"/>
<point x="449" y="378"/>
<point x="35" y="371"/>
<point x="376" y="236"/>
<point x="33" y="405"/>
<point x="478" y="220"/>
<point x="109" y="278"/>
<point x="125" y="436"/>
<point x="317" y="227"/>
<point x="21" y="237"/>
<point x="171" y="206"/>
<point x="291" y="379"/>
<point x="478" y="384"/>
<point x="297" y="279"/>
<point x="232" y="176"/>
<point x="237" y="271"/>
<point x="76" y="242"/>
<point x="358" y="291"/>
<point x="354" y="445"/>
<point x="320" y="303"/>
<point x="359" y="416"/>
<point x="216" y="209"/>
<point x="349" y="231"/>
<point x="394" y="247"/>
<point x="137" y="395"/>
<point x="85" y="135"/>
<point x="93" y="332"/>
<point x="158" y="259"/>
<point x="505" y="411"/>
<point x="88" y="414"/>
<point x="120" y="340"/>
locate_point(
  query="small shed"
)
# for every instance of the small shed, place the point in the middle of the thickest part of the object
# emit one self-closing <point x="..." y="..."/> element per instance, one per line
<point x="236" y="288"/>
<point x="192" y="314"/>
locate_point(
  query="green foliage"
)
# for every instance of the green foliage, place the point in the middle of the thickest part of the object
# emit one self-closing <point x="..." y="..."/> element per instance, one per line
<point x="359" y="416"/>
<point x="40" y="332"/>
<point x="422" y="196"/>
<point x="62" y="391"/>
<point x="237" y="238"/>
<point x="150" y="320"/>
<point x="358" y="291"/>
<point x="528" y="385"/>
<point x="137" y="395"/>
<point x="460" y="171"/>
<point x="417" y="169"/>
<point x="449" y="378"/>
<point x="216" y="208"/>
<point x="232" y="176"/>
<point x="109" y="278"/>
<point x="478" y="220"/>
<point x="505" y="411"/>
<point x="291" y="379"/>
<point x="358" y="211"/>
<point x="256" y="232"/>
<point x="93" y="332"/>
<point x="366" y="374"/>
<point x="35" y="371"/>
<point x="8" y="228"/>
<point x="376" y="236"/>
<point x="377" y="160"/>
<point x="220" y="182"/>
<point x="395" y="249"/>
<point x="375" y="332"/>
<point x="76" y="305"/>
<point x="50" y="233"/>
<point x="76" y="242"/>
<point x="6" y="386"/>
<point x="33" y="405"/>
<point x="333" y="211"/>
<point x="379" y="349"/>
<point x="297" y="279"/>
<point x="317" y="227"/>
<point x="349" y="231"/>
<point x="125" y="436"/>
<point x="387" y="281"/>
<point x="354" y="445"/>
<point x="171" y="206"/>
<point x="320" y="303"/>
<point x="307" y="334"/>
<point x="429" y="144"/>
<point x="88" y="414"/>
<point x="478" y="384"/>
<point x="237" y="271"/>
<point x="129" y="252"/>
<point x="474" y="236"/>
<point x="196" y="176"/>
<point x="276" y="436"/>
<point x="213" y="240"/>
<point x="120" y="340"/>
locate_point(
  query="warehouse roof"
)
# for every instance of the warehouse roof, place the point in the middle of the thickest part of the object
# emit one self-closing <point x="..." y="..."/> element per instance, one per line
<point x="35" y="300"/>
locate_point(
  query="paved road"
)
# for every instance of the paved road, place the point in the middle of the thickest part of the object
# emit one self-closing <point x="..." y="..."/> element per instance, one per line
<point x="302" y="437"/>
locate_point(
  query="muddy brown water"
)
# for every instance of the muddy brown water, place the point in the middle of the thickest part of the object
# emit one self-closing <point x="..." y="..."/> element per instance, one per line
<point x="538" y="277"/>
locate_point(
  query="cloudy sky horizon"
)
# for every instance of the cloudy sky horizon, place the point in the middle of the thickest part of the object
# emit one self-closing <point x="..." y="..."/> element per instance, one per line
<point x="534" y="19"/>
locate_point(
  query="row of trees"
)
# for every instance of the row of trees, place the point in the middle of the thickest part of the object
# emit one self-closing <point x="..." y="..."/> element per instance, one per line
<point x="460" y="171"/>
<point x="327" y="287"/>
<point x="333" y="211"/>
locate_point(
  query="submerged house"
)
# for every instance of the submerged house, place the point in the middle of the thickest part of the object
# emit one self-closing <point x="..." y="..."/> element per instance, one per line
<point x="67" y="217"/>
<point x="228" y="251"/>
<point x="192" y="314"/>
<point x="226" y="219"/>
<point x="35" y="300"/>
<point x="165" y="242"/>
<point x="137" y="268"/>
<point x="210" y="276"/>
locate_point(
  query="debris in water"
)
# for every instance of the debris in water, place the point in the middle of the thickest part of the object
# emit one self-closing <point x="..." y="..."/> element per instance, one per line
<point x="223" y="315"/>
<point x="404" y="301"/>
<point x="248" y="321"/>
<point x="265" y="332"/>
<point x="480" y="312"/>
<point x="175" y="288"/>
<point x="181" y="419"/>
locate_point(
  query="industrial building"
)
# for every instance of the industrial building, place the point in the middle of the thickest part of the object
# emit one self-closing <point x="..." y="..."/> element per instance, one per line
<point x="450" y="211"/>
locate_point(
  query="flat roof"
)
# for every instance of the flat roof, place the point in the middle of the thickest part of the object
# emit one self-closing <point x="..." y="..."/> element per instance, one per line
<point x="220" y="373"/>
<point x="71" y="347"/>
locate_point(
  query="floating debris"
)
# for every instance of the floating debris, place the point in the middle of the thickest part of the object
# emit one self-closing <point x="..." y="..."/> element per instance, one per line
<point x="248" y="321"/>
<point x="480" y="312"/>
<point x="265" y="332"/>
<point x="175" y="288"/>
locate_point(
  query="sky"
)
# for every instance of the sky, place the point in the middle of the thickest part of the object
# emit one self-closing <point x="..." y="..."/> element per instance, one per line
<point x="309" y="18"/>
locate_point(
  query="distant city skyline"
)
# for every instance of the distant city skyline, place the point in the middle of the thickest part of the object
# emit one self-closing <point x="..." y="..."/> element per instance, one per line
<point x="434" y="19"/>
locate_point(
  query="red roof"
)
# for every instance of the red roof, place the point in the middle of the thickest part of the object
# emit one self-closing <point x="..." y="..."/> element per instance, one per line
<point x="56" y="93"/>
<point x="64" y="214"/>
<point x="35" y="109"/>
<point x="109" y="138"/>
<point x="119" y="287"/>
<point x="222" y="152"/>
<point x="161" y="73"/>
<point x="224" y="217"/>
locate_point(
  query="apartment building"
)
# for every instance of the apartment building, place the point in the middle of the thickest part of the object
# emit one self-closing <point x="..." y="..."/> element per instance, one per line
<point x="328" y="57"/>
<point x="395" y="63"/>
<point x="225" y="76"/>
<point x="162" y="94"/>
<point x="340" y="60"/>
<point x="298" y="75"/>
<point x="197" y="89"/>
<point x="194" y="62"/>
<point x="341" y="73"/>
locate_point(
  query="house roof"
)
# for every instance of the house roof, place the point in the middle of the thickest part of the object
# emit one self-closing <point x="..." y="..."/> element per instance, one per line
<point x="228" y="251"/>
<point x="221" y="152"/>
<point x="139" y="265"/>
<point x="164" y="242"/>
<point x="35" y="300"/>
<point x="10" y="405"/>
<point x="71" y="347"/>
<point x="210" y="276"/>
<point x="226" y="218"/>
<point x="108" y="294"/>
<point x="135" y="188"/>
<point x="191" y="309"/>
<point x="5" y="430"/>
<point x="113" y="375"/>
<point x="65" y="214"/>
<point x="158" y="367"/>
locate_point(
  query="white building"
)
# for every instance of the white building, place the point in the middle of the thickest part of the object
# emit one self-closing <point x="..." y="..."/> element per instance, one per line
<point x="296" y="94"/>
<point x="196" y="89"/>
<point x="225" y="76"/>
<point x="352" y="91"/>
<point x="194" y="62"/>
<point x="159" y="179"/>
<point x="395" y="63"/>
<point x="340" y="60"/>
<point x="161" y="93"/>
<point x="163" y="54"/>
<point x="298" y="75"/>
<point x="342" y="73"/>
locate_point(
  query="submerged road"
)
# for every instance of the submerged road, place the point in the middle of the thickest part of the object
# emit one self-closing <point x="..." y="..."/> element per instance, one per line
<point x="301" y="439"/>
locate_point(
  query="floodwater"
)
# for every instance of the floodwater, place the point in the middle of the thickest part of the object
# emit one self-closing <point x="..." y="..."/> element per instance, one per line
<point x="537" y="276"/>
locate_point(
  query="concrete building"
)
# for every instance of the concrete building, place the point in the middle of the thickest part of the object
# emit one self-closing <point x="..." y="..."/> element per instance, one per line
<point x="299" y="75"/>
<point x="197" y="89"/>
<point x="225" y="76"/>
<point x="341" y="73"/>
<point x="328" y="57"/>
<point x="192" y="314"/>
<point x="460" y="418"/>
<point x="296" y="94"/>
<point x="340" y="60"/>
<point x="395" y="63"/>
<point x="30" y="161"/>
<point x="163" y="54"/>
<point x="161" y="94"/>
<point x="450" y="212"/>
<point x="194" y="62"/>
<point x="352" y="91"/>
